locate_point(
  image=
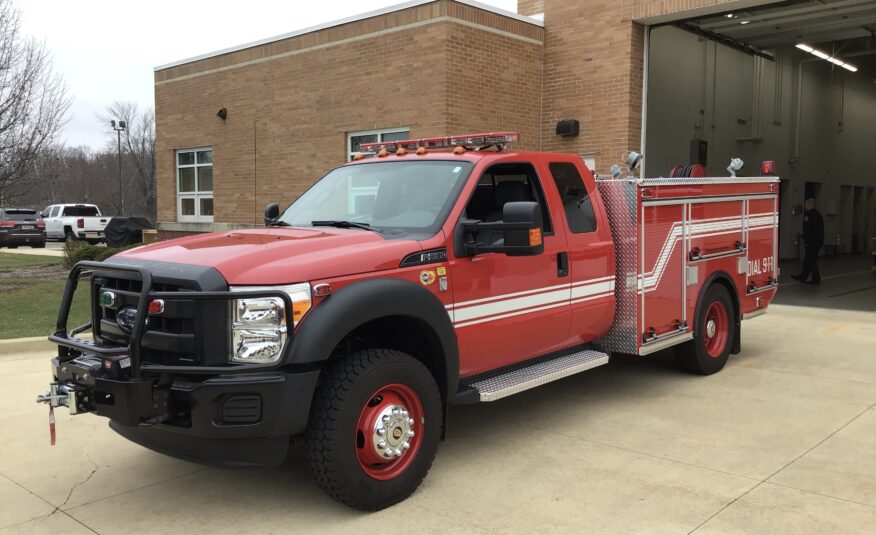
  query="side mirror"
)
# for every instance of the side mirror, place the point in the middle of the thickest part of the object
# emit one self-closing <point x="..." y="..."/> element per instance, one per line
<point x="272" y="212"/>
<point x="520" y="227"/>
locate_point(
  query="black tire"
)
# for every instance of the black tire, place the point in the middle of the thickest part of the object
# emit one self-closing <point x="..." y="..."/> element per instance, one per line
<point x="12" y="246"/>
<point x="705" y="355"/>
<point x="70" y="236"/>
<point x="335" y="444"/>
<point x="39" y="245"/>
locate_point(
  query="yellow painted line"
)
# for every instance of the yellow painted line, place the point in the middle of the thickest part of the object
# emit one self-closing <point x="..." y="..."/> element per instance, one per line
<point x="838" y="327"/>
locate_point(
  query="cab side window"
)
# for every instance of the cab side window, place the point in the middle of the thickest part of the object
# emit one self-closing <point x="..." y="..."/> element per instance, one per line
<point x="503" y="183"/>
<point x="576" y="202"/>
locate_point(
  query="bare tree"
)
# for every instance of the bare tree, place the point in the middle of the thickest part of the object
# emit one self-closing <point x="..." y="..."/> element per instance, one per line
<point x="138" y="148"/>
<point x="33" y="105"/>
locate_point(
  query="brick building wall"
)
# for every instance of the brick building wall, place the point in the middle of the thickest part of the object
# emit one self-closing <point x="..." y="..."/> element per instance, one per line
<point x="438" y="68"/>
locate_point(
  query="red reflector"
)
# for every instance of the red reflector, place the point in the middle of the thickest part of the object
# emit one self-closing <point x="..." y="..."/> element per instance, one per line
<point x="768" y="168"/>
<point x="80" y="223"/>
<point x="7" y="224"/>
<point x="41" y="224"/>
<point x="156" y="306"/>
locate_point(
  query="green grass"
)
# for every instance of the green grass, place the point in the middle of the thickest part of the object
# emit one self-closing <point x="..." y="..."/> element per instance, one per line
<point x="31" y="307"/>
<point x="12" y="260"/>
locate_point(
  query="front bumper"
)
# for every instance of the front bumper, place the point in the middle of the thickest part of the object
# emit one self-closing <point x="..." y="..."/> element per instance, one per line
<point x="229" y="415"/>
<point x="233" y="420"/>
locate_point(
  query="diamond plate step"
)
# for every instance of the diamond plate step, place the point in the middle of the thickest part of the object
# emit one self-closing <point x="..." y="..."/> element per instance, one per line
<point x="517" y="381"/>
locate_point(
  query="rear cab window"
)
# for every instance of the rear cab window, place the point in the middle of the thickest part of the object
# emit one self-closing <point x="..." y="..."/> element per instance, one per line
<point x="81" y="211"/>
<point x="573" y="193"/>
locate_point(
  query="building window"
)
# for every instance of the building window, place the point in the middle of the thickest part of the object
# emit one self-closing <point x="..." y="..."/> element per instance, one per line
<point x="194" y="185"/>
<point x="361" y="196"/>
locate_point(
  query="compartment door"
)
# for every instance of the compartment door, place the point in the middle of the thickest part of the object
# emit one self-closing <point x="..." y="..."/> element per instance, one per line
<point x="662" y="258"/>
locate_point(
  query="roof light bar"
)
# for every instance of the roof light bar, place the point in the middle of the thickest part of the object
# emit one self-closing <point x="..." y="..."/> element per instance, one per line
<point x="819" y="54"/>
<point x="473" y="141"/>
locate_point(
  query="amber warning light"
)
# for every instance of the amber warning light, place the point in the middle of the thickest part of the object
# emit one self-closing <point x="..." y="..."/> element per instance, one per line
<point x="421" y="146"/>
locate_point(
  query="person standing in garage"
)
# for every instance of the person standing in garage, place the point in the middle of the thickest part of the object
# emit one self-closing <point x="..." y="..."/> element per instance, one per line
<point x="813" y="238"/>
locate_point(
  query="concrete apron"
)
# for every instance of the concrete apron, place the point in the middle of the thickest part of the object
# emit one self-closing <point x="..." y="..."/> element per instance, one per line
<point x="57" y="253"/>
<point x="16" y="346"/>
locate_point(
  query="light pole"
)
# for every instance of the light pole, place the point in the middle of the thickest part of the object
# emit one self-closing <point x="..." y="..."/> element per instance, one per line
<point x="118" y="127"/>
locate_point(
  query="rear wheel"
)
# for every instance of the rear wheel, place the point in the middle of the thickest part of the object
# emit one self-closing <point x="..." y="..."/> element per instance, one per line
<point x="41" y="245"/>
<point x="374" y="428"/>
<point x="70" y="236"/>
<point x="714" y="332"/>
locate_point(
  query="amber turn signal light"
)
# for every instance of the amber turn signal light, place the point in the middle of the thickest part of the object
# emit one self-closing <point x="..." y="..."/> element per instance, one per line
<point x="534" y="237"/>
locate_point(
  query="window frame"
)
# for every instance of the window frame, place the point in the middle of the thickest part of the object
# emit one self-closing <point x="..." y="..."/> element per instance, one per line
<point x="197" y="195"/>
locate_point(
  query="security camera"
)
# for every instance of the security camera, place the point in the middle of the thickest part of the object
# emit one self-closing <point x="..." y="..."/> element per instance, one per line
<point x="735" y="165"/>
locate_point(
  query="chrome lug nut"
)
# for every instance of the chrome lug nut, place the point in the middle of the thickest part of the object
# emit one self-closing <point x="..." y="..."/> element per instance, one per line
<point x="381" y="431"/>
<point x="381" y="444"/>
<point x="406" y="445"/>
<point x="387" y="452"/>
<point x="410" y="421"/>
<point x="385" y="418"/>
<point x="411" y="432"/>
<point x="397" y="452"/>
<point x="395" y="411"/>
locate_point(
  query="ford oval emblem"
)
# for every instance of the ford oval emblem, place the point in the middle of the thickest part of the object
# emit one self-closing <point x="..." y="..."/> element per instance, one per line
<point x="126" y="318"/>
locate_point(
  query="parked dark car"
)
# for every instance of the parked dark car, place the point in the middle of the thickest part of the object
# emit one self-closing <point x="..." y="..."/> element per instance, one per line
<point x="21" y="226"/>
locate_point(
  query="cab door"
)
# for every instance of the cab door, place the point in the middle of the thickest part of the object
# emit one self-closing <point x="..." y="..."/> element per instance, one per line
<point x="508" y="309"/>
<point x="590" y="248"/>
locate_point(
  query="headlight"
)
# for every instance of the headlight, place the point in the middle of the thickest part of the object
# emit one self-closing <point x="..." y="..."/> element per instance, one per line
<point x="258" y="324"/>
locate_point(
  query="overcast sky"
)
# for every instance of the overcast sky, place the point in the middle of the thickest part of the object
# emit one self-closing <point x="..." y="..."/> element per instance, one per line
<point x="106" y="49"/>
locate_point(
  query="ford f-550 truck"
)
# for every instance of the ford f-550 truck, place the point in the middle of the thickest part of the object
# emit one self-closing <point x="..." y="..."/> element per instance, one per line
<point x="398" y="285"/>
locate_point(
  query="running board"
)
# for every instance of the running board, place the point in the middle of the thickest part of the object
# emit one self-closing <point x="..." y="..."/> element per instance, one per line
<point x="516" y="381"/>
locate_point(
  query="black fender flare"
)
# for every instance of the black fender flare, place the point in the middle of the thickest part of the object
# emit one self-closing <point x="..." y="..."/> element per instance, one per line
<point x="323" y="328"/>
<point x="734" y="296"/>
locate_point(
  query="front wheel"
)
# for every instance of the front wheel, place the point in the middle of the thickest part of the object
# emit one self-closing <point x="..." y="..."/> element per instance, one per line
<point x="714" y="332"/>
<point x="374" y="428"/>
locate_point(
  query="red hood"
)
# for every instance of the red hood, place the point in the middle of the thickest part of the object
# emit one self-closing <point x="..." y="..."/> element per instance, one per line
<point x="282" y="255"/>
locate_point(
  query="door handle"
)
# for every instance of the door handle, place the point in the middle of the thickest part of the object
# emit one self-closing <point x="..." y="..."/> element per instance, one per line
<point x="563" y="264"/>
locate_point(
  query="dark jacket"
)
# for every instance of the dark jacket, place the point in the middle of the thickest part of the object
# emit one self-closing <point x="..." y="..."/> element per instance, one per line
<point x="813" y="228"/>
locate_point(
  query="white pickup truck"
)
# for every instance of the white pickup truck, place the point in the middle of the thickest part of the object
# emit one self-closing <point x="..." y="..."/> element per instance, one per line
<point x="75" y="222"/>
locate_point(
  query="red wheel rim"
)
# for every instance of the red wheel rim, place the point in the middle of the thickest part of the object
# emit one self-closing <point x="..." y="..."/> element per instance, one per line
<point x="716" y="327"/>
<point x="389" y="431"/>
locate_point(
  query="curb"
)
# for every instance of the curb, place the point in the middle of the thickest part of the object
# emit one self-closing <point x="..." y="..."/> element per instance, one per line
<point x="14" y="346"/>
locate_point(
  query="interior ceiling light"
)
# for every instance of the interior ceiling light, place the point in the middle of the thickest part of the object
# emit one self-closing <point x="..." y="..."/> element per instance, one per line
<point x="826" y="57"/>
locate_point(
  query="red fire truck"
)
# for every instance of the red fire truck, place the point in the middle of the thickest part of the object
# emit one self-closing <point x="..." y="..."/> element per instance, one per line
<point x="440" y="271"/>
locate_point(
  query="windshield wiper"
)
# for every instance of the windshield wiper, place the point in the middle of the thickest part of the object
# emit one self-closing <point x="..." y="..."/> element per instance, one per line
<point x="279" y="224"/>
<point x="343" y="224"/>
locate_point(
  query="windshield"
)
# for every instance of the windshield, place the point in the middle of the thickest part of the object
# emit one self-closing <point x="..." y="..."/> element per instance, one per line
<point x="81" y="211"/>
<point x="398" y="197"/>
<point x="21" y="215"/>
